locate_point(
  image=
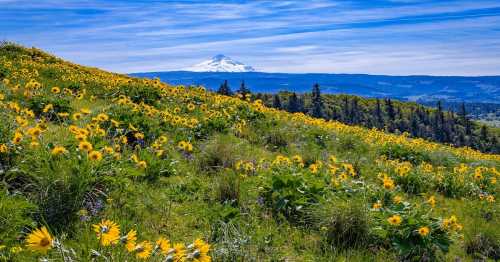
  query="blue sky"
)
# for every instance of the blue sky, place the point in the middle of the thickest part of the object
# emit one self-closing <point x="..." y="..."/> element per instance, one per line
<point x="396" y="37"/>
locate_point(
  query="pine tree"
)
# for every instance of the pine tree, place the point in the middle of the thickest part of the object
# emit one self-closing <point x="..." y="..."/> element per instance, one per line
<point x="389" y="108"/>
<point x="317" y="102"/>
<point x="301" y="104"/>
<point x="484" y="137"/>
<point x="354" y="111"/>
<point x="224" y="89"/>
<point x="293" y="104"/>
<point x="439" y="123"/>
<point x="391" y="115"/>
<point x="277" y="101"/>
<point x="378" y="115"/>
<point x="243" y="89"/>
<point x="346" y="113"/>
<point x="483" y="133"/>
<point x="465" y="120"/>
<point x="414" y="128"/>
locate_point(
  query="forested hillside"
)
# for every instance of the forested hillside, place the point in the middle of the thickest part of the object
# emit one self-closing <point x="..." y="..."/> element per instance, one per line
<point x="435" y="124"/>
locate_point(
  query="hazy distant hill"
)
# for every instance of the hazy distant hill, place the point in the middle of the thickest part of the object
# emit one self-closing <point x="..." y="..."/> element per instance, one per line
<point x="424" y="88"/>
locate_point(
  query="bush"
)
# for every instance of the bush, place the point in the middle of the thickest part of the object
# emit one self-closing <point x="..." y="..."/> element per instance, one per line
<point x="232" y="243"/>
<point x="484" y="246"/>
<point x="156" y="168"/>
<point x="402" y="153"/>
<point x="406" y="236"/>
<point x="455" y="185"/>
<point x="59" y="187"/>
<point x="150" y="127"/>
<point x="415" y="182"/>
<point x="14" y="216"/>
<point x="345" y="225"/>
<point x="60" y="105"/>
<point x="142" y="93"/>
<point x="289" y="194"/>
<point x="218" y="153"/>
<point x="227" y="189"/>
<point x="276" y="140"/>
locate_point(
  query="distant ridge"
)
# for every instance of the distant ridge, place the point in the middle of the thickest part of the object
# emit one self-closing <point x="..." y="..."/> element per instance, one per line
<point x="484" y="89"/>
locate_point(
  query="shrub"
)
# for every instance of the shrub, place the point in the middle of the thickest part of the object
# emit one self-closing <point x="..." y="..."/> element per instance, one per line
<point x="415" y="182"/>
<point x="232" y="243"/>
<point x="414" y="234"/>
<point x="142" y="93"/>
<point x="227" y="189"/>
<point x="14" y="216"/>
<point x="484" y="246"/>
<point x="148" y="126"/>
<point x="276" y="140"/>
<point x="60" y="105"/>
<point x="402" y="153"/>
<point x="156" y="168"/>
<point x="454" y="185"/>
<point x="211" y="126"/>
<point x="218" y="153"/>
<point x="345" y="224"/>
<point x="60" y="187"/>
<point x="289" y="194"/>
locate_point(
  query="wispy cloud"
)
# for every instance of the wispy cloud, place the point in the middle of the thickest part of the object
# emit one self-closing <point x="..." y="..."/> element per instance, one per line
<point x="451" y="37"/>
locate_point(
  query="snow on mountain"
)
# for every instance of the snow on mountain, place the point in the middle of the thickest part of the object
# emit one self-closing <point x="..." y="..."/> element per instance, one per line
<point x="220" y="63"/>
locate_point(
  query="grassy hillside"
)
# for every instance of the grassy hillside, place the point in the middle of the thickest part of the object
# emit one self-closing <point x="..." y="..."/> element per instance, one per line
<point x="118" y="168"/>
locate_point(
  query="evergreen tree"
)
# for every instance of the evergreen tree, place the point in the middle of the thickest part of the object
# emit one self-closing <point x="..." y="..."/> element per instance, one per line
<point x="224" y="89"/>
<point x="389" y="109"/>
<point x="277" y="102"/>
<point x="378" y="115"/>
<point x="483" y="134"/>
<point x="391" y="115"/>
<point x="439" y="123"/>
<point x="335" y="115"/>
<point x="293" y="104"/>
<point x="414" y="127"/>
<point x="355" y="119"/>
<point x="243" y="89"/>
<point x="345" y="112"/>
<point x="317" y="102"/>
<point x="301" y="104"/>
<point x="465" y="120"/>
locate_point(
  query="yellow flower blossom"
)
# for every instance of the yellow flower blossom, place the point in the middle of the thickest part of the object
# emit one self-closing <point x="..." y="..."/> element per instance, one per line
<point x="39" y="240"/>
<point x="394" y="220"/>
<point x="108" y="232"/>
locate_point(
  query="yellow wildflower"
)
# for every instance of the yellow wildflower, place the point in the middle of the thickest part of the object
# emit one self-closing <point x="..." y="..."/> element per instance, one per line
<point x="85" y="146"/>
<point x="58" y="150"/>
<point x="394" y="220"/>
<point x="108" y="232"/>
<point x="144" y="250"/>
<point x="95" y="156"/>
<point x="39" y="240"/>
<point x="423" y="231"/>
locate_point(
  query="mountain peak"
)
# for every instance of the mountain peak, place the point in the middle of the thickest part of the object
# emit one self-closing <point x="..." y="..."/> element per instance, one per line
<point x="220" y="63"/>
<point x="220" y="57"/>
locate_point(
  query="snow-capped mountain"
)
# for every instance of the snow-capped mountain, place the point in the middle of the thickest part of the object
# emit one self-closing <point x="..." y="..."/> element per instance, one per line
<point x="220" y="63"/>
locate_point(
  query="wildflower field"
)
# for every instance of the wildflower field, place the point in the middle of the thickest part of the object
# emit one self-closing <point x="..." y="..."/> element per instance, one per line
<point x="97" y="166"/>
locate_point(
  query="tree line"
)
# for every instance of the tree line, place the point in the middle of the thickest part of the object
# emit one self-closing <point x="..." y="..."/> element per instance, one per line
<point x="435" y="124"/>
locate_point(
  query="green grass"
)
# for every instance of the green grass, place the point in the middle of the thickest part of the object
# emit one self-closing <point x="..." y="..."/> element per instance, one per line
<point x="269" y="212"/>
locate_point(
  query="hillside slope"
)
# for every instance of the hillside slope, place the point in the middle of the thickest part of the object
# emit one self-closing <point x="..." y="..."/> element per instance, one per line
<point x="395" y="117"/>
<point x="120" y="168"/>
